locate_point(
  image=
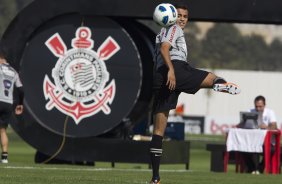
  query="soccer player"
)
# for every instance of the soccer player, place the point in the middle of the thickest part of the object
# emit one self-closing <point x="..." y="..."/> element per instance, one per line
<point x="8" y="78"/>
<point x="174" y="75"/>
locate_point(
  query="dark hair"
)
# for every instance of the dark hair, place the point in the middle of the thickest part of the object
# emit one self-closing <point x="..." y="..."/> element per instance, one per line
<point x="2" y="53"/>
<point x="260" y="97"/>
<point x="181" y="6"/>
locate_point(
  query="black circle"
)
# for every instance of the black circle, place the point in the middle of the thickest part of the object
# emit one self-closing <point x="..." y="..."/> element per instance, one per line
<point x="124" y="69"/>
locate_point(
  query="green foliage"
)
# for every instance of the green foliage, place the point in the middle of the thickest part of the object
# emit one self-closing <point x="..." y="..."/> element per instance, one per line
<point x="224" y="47"/>
<point x="275" y="56"/>
<point x="194" y="46"/>
<point x="219" y="46"/>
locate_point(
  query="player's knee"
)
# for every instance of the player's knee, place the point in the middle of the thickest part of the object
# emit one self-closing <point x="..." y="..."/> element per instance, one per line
<point x="2" y="130"/>
<point x="208" y="81"/>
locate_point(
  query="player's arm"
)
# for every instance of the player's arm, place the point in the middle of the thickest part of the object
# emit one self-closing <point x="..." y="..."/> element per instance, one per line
<point x="272" y="126"/>
<point x="171" y="81"/>
<point x="19" y="107"/>
<point x="263" y="126"/>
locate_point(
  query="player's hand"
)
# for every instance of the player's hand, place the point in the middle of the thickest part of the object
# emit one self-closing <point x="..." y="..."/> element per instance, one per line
<point x="171" y="81"/>
<point x="263" y="126"/>
<point x="19" y="109"/>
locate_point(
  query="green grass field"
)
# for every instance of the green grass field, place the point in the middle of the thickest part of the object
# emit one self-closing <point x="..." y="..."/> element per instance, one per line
<point x="22" y="169"/>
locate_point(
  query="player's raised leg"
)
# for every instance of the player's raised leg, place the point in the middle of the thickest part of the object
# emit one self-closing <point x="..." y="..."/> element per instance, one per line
<point x="219" y="84"/>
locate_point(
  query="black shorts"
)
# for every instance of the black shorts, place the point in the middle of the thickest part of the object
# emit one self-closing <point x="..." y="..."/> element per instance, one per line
<point x="188" y="80"/>
<point x="5" y="114"/>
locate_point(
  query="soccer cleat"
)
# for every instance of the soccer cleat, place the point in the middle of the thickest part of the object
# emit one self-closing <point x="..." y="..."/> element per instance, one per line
<point x="230" y="88"/>
<point x="155" y="182"/>
<point x="4" y="161"/>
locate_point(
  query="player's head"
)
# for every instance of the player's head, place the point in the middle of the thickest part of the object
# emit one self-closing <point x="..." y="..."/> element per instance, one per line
<point x="259" y="103"/>
<point x="182" y="18"/>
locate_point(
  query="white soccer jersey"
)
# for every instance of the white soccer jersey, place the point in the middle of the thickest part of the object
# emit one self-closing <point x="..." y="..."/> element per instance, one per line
<point x="8" y="78"/>
<point x="267" y="117"/>
<point x="175" y="36"/>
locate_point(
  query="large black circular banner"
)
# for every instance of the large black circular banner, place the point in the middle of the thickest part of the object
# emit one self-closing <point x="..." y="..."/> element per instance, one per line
<point x="85" y="71"/>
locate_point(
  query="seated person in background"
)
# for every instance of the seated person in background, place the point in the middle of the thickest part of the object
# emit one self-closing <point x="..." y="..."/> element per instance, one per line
<point x="266" y="120"/>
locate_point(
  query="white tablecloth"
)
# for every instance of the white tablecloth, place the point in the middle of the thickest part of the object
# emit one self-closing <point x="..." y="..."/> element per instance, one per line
<point x="245" y="140"/>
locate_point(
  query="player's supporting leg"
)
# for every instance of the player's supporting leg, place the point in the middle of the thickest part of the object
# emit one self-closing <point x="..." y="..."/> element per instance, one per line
<point x="219" y="84"/>
<point x="4" y="145"/>
<point x="160" y="122"/>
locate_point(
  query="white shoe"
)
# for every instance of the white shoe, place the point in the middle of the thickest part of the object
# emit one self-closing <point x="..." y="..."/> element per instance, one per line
<point x="256" y="172"/>
<point x="228" y="87"/>
<point x="4" y="161"/>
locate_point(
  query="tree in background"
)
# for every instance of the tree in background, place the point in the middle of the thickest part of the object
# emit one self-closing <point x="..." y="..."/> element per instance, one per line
<point x="194" y="45"/>
<point x="254" y="53"/>
<point x="221" y="47"/>
<point x="224" y="47"/>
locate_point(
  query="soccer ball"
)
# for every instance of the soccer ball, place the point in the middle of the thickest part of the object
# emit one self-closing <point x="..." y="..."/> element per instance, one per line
<point x="165" y="14"/>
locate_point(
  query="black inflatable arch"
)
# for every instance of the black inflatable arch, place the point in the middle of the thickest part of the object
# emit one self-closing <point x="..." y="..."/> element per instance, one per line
<point x="129" y="69"/>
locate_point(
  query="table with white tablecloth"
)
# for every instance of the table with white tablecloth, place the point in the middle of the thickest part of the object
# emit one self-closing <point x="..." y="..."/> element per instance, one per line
<point x="252" y="140"/>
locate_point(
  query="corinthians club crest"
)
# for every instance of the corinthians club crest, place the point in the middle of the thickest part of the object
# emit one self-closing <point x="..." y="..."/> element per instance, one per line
<point x="82" y="87"/>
